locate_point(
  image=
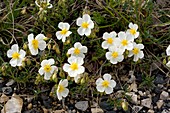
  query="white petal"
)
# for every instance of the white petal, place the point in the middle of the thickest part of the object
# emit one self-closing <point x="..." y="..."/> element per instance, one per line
<point x="30" y="37"/>
<point x="135" y="58"/>
<point x="63" y="39"/>
<point x="77" y="45"/>
<point x="58" y="35"/>
<point x="107" y="77"/>
<point x="40" y="37"/>
<point x="51" y="61"/>
<point x="22" y="53"/>
<point x="79" y="21"/>
<point x="61" y="25"/>
<point x="86" y="18"/>
<point x="113" y="61"/>
<point x="99" y="81"/>
<point x="91" y="24"/>
<point x="120" y="58"/>
<point x="34" y="51"/>
<point x="15" y="47"/>
<point x="66" y="26"/>
<point x="80" y="61"/>
<point x="112" y="83"/>
<point x="84" y="49"/>
<point x="135" y="26"/>
<point x="130" y="54"/>
<point x="80" y="70"/>
<point x="129" y="46"/>
<point x="66" y="67"/>
<point x="105" y="45"/>
<point x="72" y="59"/>
<point x="130" y="25"/>
<point x="113" y="34"/>
<point x="141" y="55"/>
<point x="19" y="62"/>
<point x="109" y="90"/>
<point x="106" y="35"/>
<point x="72" y="73"/>
<point x="53" y="68"/>
<point x="9" y="53"/>
<point x="81" y="31"/>
<point x="137" y="34"/>
<point x="70" y="51"/>
<point x="108" y="55"/>
<point x="13" y="62"/>
<point x="47" y="76"/>
<point x="122" y="35"/>
<point x="64" y="83"/>
<point x="41" y="71"/>
<point x="44" y="62"/>
<point x="68" y="33"/>
<point x="140" y="46"/>
<point x="65" y="92"/>
<point x="59" y="96"/>
<point x="100" y="88"/>
<point x="87" y="32"/>
<point x="42" y="45"/>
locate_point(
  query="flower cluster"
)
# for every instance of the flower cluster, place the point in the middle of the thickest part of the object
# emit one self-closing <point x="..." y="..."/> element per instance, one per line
<point x="85" y="23"/>
<point x="75" y="61"/>
<point x="117" y="44"/>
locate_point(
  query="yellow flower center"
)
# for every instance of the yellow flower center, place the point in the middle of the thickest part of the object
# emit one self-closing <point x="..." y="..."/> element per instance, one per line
<point x="115" y="54"/>
<point x="47" y="68"/>
<point x="76" y="51"/>
<point x="60" y="88"/>
<point x="135" y="51"/>
<point x="35" y="43"/>
<point x="85" y="25"/>
<point x="64" y="31"/>
<point x="124" y="42"/>
<point x="110" y="40"/>
<point x="133" y="31"/>
<point x="105" y="83"/>
<point x="15" y="55"/>
<point x="74" y="66"/>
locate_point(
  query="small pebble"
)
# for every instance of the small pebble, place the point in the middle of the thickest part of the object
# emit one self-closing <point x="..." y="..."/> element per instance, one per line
<point x="164" y="95"/>
<point x="29" y="106"/>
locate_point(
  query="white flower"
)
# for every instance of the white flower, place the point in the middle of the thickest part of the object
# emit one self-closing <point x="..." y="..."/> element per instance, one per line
<point x="125" y="41"/>
<point x="115" y="54"/>
<point x="76" y="78"/>
<point x="16" y="55"/>
<point x="136" y="51"/>
<point x="168" y="50"/>
<point x="168" y="64"/>
<point x="47" y="69"/>
<point x="106" y="85"/>
<point x="64" y="31"/>
<point x="86" y="24"/>
<point x="77" y="50"/>
<point x="74" y="67"/>
<point x="42" y="4"/>
<point x="110" y="39"/>
<point x="62" y="91"/>
<point x="37" y="43"/>
<point x="133" y="30"/>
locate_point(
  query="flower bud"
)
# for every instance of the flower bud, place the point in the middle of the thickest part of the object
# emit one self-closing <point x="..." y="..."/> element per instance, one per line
<point x="125" y="106"/>
<point x="25" y="46"/>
